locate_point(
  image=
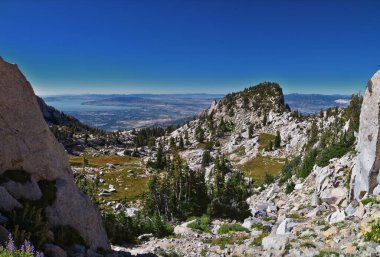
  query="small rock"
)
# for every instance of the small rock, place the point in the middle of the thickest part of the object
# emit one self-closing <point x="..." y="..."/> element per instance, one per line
<point x="337" y="216"/>
<point x="277" y="242"/>
<point x="53" y="250"/>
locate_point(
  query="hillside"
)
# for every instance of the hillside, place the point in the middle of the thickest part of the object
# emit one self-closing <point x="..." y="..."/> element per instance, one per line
<point x="246" y="177"/>
<point x="242" y="126"/>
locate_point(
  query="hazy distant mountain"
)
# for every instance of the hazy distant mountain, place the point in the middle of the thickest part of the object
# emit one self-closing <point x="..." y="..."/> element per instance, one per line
<point x="313" y="103"/>
<point x="111" y="112"/>
<point x="123" y="101"/>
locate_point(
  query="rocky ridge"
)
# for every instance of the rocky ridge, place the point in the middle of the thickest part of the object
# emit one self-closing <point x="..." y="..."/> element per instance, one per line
<point x="319" y="217"/>
<point x="34" y="166"/>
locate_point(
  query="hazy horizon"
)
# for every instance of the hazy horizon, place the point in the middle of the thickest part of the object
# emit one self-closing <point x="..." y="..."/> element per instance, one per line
<point x="325" y="47"/>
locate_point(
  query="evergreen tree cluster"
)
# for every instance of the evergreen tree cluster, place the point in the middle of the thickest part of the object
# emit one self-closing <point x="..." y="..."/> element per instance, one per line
<point x="332" y="142"/>
<point x="180" y="192"/>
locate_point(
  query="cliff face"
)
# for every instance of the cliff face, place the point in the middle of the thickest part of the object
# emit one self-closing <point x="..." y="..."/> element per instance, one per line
<point x="28" y="146"/>
<point x="365" y="176"/>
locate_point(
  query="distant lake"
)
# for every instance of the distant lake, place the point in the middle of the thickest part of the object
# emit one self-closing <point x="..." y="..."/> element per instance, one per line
<point x="74" y="104"/>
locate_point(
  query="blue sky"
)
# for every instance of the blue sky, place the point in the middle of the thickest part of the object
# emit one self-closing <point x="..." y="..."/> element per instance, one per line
<point x="141" y="46"/>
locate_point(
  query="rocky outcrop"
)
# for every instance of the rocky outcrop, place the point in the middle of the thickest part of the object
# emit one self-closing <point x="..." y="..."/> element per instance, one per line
<point x="31" y="157"/>
<point x="365" y="175"/>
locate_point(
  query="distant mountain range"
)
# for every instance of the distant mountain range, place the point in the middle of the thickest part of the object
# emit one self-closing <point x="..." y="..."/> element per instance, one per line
<point x="117" y="111"/>
<point x="313" y="103"/>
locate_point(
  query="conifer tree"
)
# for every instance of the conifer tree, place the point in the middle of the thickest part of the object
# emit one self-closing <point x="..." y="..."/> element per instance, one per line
<point x="181" y="143"/>
<point x="277" y="141"/>
<point x="250" y="131"/>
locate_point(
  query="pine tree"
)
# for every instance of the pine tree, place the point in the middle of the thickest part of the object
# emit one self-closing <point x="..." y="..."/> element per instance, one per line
<point x="181" y="143"/>
<point x="270" y="147"/>
<point x="277" y="141"/>
<point x="160" y="157"/>
<point x="206" y="158"/>
<point x="200" y="136"/>
<point x="187" y="138"/>
<point x="250" y="131"/>
<point x="265" y="120"/>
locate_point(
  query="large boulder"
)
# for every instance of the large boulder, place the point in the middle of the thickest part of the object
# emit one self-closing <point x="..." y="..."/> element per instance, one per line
<point x="365" y="174"/>
<point x="28" y="146"/>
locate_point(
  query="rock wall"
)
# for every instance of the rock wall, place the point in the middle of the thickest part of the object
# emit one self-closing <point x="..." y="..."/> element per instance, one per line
<point x="365" y="174"/>
<point x="28" y="145"/>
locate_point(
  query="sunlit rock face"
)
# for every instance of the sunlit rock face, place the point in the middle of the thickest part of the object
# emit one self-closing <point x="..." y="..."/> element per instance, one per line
<point x="365" y="176"/>
<point x="29" y="148"/>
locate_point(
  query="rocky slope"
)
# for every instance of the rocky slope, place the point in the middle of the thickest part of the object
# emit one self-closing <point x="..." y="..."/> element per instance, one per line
<point x="34" y="166"/>
<point x="332" y="211"/>
<point x="241" y="125"/>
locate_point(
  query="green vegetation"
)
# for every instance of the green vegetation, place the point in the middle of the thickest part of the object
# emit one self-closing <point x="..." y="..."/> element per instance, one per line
<point x="230" y="228"/>
<point x="327" y="253"/>
<point x="290" y="187"/>
<point x="122" y="229"/>
<point x="289" y="168"/>
<point x="181" y="192"/>
<point x="295" y="216"/>
<point x="261" y="166"/>
<point x="102" y="161"/>
<point x="308" y="245"/>
<point x="258" y="226"/>
<point x="277" y="140"/>
<point x="369" y="200"/>
<point x="265" y="141"/>
<point x="126" y="177"/>
<point x="8" y="253"/>
<point x="258" y="96"/>
<point x="201" y="224"/>
<point x="372" y="233"/>
<point x="206" y="158"/>
<point x="66" y="236"/>
<point x="228" y="240"/>
<point x="334" y="142"/>
<point x="258" y="240"/>
<point x="128" y="187"/>
<point x="29" y="224"/>
<point x="307" y="164"/>
<point x="147" y="136"/>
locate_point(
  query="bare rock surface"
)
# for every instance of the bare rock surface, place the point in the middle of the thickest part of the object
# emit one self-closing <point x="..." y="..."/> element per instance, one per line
<point x="365" y="177"/>
<point x="30" y="147"/>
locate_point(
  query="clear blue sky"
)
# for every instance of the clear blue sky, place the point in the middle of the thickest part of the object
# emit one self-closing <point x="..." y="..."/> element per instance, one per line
<point x="123" y="46"/>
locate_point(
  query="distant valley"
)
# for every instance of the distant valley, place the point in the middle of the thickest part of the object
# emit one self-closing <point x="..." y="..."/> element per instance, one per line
<point x="114" y="112"/>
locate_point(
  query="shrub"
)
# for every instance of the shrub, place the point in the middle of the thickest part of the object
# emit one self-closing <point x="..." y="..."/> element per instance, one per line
<point x="257" y="226"/>
<point x="332" y="151"/>
<point x="369" y="200"/>
<point x="269" y="179"/>
<point x="201" y="224"/>
<point x="228" y="240"/>
<point x="66" y="236"/>
<point x="290" y="187"/>
<point x="289" y="168"/>
<point x="228" y="228"/>
<point x="123" y="229"/>
<point x="258" y="240"/>
<point x="307" y="164"/>
<point x="372" y="233"/>
<point x="28" y="224"/>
